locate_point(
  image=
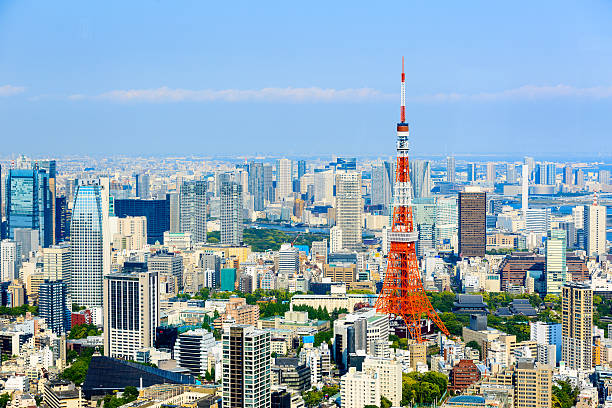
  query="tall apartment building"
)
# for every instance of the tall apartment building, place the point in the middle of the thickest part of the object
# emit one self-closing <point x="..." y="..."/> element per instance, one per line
<point x="89" y="242"/>
<point x="57" y="263"/>
<point x="131" y="313"/>
<point x="450" y="169"/>
<point x="359" y="389"/>
<point x="231" y="213"/>
<point x="193" y="351"/>
<point x="595" y="229"/>
<point x="556" y="267"/>
<point x="383" y="179"/>
<point x="53" y="306"/>
<point x="547" y="334"/>
<point x="389" y="374"/>
<point x="491" y="172"/>
<point x="284" y="187"/>
<point x="577" y="326"/>
<point x="472" y="224"/>
<point x="10" y="259"/>
<point x="193" y="209"/>
<point x="349" y="209"/>
<point x="256" y="185"/>
<point x="246" y="367"/>
<point x="335" y="239"/>
<point x="420" y="178"/>
<point x="533" y="385"/>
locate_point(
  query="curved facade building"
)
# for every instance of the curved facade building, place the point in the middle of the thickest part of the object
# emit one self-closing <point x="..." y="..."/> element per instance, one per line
<point x="89" y="241"/>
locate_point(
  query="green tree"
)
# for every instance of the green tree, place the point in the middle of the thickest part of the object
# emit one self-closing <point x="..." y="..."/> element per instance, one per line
<point x="4" y="399"/>
<point x="385" y="403"/>
<point x="564" y="395"/>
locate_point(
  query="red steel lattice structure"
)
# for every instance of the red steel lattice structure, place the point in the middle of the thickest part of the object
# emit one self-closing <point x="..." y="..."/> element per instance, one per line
<point x="402" y="293"/>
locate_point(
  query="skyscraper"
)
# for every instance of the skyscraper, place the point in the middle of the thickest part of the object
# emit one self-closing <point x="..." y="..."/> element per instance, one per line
<point x="491" y="173"/>
<point x="471" y="172"/>
<point x="595" y="229"/>
<point x="556" y="268"/>
<point x="142" y="185"/>
<point x="193" y="351"/>
<point x="568" y="175"/>
<point x="50" y="167"/>
<point x="450" y="169"/>
<point x="604" y="177"/>
<point x="383" y="176"/>
<point x="577" y="326"/>
<point x="284" y="187"/>
<point x="246" y="367"/>
<point x="511" y="173"/>
<point x="323" y="186"/>
<point x="525" y="190"/>
<point x="174" y="202"/>
<point x="541" y="173"/>
<point x="551" y="174"/>
<point x="29" y="203"/>
<point x="472" y="224"/>
<point x="256" y="185"/>
<point x="420" y="178"/>
<point x="53" y="305"/>
<point x="62" y="219"/>
<point x="131" y="312"/>
<point x="193" y="209"/>
<point x="288" y="260"/>
<point x="231" y="213"/>
<point x="348" y="209"/>
<point x="268" y="185"/>
<point x="89" y="242"/>
<point x="301" y="168"/>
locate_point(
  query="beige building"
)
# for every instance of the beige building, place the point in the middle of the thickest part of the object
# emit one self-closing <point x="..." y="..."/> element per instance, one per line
<point x="358" y="389"/>
<point x="62" y="394"/>
<point x="418" y="354"/>
<point x="533" y="385"/>
<point x="57" y="262"/>
<point x="577" y="326"/>
<point x="389" y="373"/>
<point x="128" y="232"/>
<point x="341" y="272"/>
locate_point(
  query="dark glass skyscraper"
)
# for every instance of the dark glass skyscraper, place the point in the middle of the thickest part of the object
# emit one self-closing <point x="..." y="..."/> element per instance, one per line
<point x="472" y="224"/>
<point x="156" y="211"/>
<point x="53" y="306"/>
<point x="62" y="219"/>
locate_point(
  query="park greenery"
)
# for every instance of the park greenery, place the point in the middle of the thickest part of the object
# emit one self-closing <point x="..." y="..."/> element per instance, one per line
<point x="263" y="239"/>
<point x="564" y="395"/>
<point x="513" y="325"/>
<point x="314" y="397"/>
<point x="423" y="388"/>
<point x="113" y="401"/>
<point x="4" y="399"/>
<point x="81" y="331"/>
<point x="78" y="370"/>
<point x="18" y="311"/>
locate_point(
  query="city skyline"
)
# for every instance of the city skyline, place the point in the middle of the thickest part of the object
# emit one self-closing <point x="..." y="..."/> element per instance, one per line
<point x="475" y="84"/>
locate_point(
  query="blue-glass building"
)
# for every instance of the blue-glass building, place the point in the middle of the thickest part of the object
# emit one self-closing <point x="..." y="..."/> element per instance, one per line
<point x="53" y="305"/>
<point x="156" y="211"/>
<point x="29" y="203"/>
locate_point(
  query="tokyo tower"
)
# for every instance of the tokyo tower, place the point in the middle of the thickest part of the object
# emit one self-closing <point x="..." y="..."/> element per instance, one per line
<point x="402" y="293"/>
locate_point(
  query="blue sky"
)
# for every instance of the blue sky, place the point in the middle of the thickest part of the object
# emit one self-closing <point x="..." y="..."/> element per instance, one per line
<point x="319" y="78"/>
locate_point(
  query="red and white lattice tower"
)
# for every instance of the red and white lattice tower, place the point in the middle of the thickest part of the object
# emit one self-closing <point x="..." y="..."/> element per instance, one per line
<point x="402" y="293"/>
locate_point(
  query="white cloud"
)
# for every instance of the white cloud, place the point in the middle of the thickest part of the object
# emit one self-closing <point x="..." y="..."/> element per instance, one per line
<point x="165" y="94"/>
<point x="526" y="92"/>
<point x="10" y="90"/>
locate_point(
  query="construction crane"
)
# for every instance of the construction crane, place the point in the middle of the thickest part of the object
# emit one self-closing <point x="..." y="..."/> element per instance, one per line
<point x="296" y="237"/>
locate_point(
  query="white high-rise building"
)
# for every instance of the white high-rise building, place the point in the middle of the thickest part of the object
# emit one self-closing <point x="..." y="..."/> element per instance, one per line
<point x="537" y="220"/>
<point x="57" y="263"/>
<point x="335" y="239"/>
<point x="547" y="334"/>
<point x="89" y="242"/>
<point x="324" y="186"/>
<point x="131" y="313"/>
<point x="231" y="213"/>
<point x="193" y="351"/>
<point x="193" y="209"/>
<point x="10" y="259"/>
<point x="491" y="173"/>
<point x="389" y="375"/>
<point x="349" y="209"/>
<point x="358" y="389"/>
<point x="246" y="367"/>
<point x="284" y="187"/>
<point x="595" y="229"/>
<point x="450" y="169"/>
<point x="525" y="190"/>
<point x="578" y="216"/>
<point x="288" y="259"/>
